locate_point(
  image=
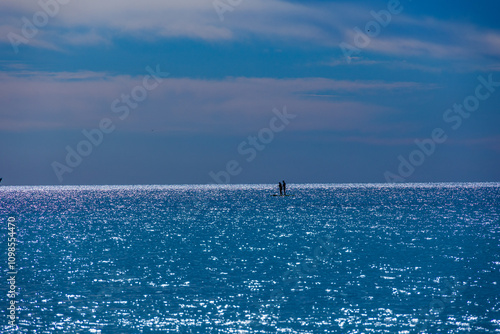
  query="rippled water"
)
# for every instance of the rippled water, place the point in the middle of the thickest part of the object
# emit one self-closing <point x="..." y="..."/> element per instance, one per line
<point x="233" y="259"/>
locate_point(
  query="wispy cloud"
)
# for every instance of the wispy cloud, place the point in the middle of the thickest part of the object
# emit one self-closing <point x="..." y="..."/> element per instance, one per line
<point x="35" y="100"/>
<point x="154" y="19"/>
<point x="390" y="64"/>
<point x="93" y="22"/>
<point x="437" y="39"/>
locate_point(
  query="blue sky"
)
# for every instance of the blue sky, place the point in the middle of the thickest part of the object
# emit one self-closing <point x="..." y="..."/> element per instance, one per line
<point x="355" y="117"/>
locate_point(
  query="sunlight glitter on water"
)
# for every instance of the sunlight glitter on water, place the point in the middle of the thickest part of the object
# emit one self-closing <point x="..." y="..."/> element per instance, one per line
<point x="229" y="259"/>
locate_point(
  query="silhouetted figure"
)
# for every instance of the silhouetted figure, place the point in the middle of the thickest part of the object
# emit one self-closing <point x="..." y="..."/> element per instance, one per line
<point x="284" y="187"/>
<point x="281" y="190"/>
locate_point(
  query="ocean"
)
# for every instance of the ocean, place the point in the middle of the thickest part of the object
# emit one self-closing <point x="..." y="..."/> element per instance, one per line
<point x="333" y="258"/>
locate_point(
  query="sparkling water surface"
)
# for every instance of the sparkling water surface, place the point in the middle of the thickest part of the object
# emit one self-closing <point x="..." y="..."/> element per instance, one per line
<point x="360" y="258"/>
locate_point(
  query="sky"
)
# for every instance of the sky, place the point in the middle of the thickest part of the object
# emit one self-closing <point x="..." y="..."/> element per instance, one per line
<point x="248" y="91"/>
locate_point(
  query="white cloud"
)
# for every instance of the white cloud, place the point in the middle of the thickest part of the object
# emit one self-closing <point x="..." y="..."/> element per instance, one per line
<point x="193" y="19"/>
<point x="435" y="39"/>
<point x="94" y="22"/>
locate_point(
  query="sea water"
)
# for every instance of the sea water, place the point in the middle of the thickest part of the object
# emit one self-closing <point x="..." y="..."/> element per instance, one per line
<point x="355" y="258"/>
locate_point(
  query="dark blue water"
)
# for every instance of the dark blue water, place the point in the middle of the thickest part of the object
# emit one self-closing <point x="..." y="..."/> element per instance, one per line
<point x="233" y="259"/>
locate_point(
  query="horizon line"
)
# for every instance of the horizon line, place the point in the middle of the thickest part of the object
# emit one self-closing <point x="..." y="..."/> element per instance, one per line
<point x="231" y="185"/>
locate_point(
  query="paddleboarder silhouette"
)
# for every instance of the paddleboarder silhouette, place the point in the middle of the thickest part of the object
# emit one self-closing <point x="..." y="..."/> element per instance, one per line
<point x="284" y="187"/>
<point x="281" y="189"/>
